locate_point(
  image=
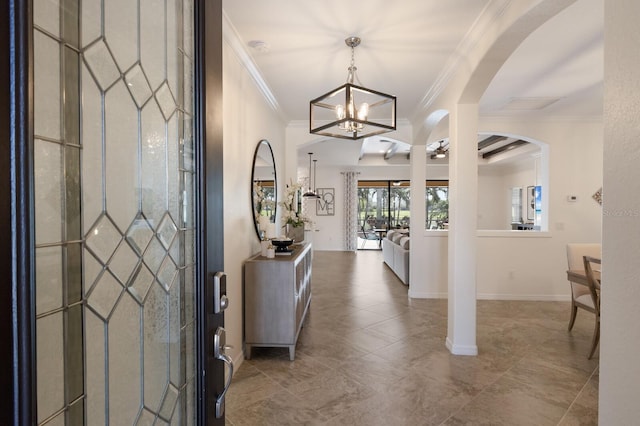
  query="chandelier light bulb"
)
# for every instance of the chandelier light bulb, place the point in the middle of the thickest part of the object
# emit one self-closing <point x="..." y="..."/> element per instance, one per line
<point x="363" y="112"/>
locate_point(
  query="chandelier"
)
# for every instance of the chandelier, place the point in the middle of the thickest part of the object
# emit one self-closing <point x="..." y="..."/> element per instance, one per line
<point x="352" y="111"/>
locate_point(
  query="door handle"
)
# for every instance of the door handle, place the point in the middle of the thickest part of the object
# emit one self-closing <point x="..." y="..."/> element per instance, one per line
<point x="219" y="347"/>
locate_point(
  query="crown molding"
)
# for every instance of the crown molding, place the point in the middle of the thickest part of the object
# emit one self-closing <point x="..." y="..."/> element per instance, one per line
<point x="232" y="38"/>
<point x="541" y="118"/>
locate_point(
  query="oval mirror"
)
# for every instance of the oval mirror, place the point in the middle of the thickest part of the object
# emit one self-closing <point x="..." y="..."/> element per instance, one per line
<point x="263" y="190"/>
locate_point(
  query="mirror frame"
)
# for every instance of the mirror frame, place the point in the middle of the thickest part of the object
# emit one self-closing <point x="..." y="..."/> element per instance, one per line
<point x="275" y="183"/>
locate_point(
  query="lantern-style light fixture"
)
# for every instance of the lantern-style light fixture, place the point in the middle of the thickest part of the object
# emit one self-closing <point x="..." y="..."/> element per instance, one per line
<point x="352" y="111"/>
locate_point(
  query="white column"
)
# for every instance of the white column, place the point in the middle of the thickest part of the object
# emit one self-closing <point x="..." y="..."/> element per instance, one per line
<point x="620" y="334"/>
<point x="417" y="272"/>
<point x="463" y="210"/>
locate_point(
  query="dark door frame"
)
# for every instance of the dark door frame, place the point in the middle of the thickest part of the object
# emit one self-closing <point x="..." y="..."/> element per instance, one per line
<point x="210" y="244"/>
<point x="17" y="333"/>
<point x="17" y="355"/>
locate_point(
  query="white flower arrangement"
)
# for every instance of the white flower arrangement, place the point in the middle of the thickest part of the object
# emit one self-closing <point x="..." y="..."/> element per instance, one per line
<point x="258" y="198"/>
<point x="291" y="215"/>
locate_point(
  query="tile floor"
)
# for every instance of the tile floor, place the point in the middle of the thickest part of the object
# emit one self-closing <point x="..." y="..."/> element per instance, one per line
<point x="369" y="355"/>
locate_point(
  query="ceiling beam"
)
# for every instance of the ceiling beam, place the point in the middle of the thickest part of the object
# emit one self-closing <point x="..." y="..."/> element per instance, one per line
<point x="504" y="148"/>
<point x="391" y="151"/>
<point x="490" y="141"/>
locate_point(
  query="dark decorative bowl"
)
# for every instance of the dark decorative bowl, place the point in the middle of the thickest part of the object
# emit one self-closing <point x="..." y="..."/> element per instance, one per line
<point x="282" y="244"/>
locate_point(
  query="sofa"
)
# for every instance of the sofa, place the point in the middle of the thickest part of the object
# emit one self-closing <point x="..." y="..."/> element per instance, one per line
<point x="395" y="253"/>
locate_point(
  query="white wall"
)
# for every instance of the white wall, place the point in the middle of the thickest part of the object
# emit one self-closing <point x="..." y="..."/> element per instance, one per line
<point x="493" y="200"/>
<point x="494" y="192"/>
<point x="248" y="118"/>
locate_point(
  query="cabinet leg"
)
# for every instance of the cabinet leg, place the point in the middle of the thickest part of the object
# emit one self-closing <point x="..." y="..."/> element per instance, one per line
<point x="247" y="351"/>
<point x="292" y="352"/>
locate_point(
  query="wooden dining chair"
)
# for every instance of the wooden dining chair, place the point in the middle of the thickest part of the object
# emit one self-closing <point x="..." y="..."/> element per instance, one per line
<point x="592" y="304"/>
<point x="575" y="255"/>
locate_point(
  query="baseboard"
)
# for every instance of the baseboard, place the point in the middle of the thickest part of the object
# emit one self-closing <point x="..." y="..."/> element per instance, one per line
<point x="490" y="296"/>
<point x="237" y="361"/>
<point x="526" y="297"/>
<point x="426" y="295"/>
<point x="468" y="350"/>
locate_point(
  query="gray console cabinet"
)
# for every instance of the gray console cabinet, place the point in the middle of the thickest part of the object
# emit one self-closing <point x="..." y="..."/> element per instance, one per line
<point x="277" y="294"/>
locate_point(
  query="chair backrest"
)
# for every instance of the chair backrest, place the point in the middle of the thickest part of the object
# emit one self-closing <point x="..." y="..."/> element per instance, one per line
<point x="594" y="284"/>
<point x="576" y="252"/>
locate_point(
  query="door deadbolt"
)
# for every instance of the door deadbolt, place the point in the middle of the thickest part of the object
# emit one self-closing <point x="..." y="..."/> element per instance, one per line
<point x="220" y="299"/>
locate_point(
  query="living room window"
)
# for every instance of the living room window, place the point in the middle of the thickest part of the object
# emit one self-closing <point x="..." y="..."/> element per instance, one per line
<point x="384" y="204"/>
<point x="437" y="197"/>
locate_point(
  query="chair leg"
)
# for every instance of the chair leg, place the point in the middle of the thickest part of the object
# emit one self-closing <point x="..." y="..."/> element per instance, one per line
<point x="574" y="312"/>
<point x="596" y="339"/>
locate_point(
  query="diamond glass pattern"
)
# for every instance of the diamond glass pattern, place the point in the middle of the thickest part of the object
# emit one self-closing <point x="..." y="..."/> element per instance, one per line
<point x="166" y="231"/>
<point x="140" y="283"/>
<point x="139" y="234"/>
<point x="103" y="239"/>
<point x="104" y="295"/>
<point x="146" y="418"/>
<point x="123" y="262"/>
<point x="91" y="268"/>
<point x="167" y="273"/>
<point x="101" y="64"/>
<point x="166" y="100"/>
<point x="175" y="251"/>
<point x="138" y="85"/>
<point x="154" y="255"/>
<point x="170" y="398"/>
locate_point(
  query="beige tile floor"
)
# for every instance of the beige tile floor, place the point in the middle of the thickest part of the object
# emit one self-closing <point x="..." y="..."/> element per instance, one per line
<point x="369" y="355"/>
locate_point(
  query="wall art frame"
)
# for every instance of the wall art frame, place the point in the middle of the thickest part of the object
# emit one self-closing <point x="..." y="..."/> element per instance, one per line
<point x="325" y="204"/>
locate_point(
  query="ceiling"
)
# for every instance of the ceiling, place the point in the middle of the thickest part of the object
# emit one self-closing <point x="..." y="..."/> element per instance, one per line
<point x="298" y="48"/>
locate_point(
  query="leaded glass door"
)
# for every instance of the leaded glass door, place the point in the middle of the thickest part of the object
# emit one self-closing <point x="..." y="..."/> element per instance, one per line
<point x="116" y="218"/>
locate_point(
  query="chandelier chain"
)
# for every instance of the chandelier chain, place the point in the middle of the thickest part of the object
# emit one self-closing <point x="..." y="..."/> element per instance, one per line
<point x="352" y="74"/>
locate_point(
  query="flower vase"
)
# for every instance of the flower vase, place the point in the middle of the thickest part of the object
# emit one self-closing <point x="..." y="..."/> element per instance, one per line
<point x="296" y="233"/>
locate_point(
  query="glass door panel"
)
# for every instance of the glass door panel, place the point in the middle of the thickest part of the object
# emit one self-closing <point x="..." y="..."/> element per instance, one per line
<point x="114" y="209"/>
